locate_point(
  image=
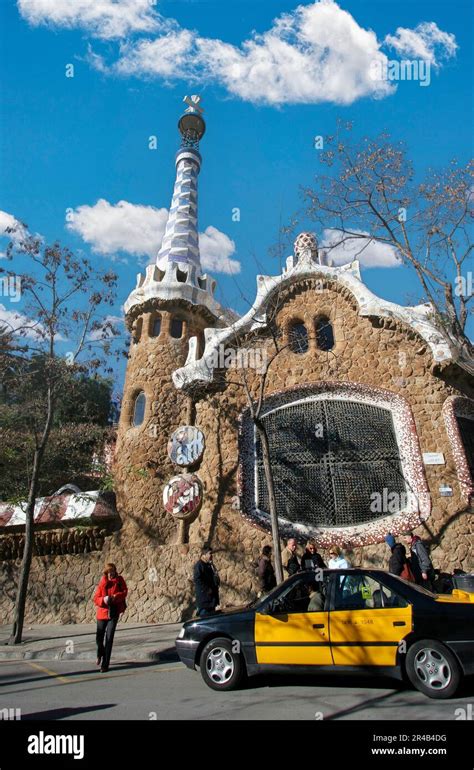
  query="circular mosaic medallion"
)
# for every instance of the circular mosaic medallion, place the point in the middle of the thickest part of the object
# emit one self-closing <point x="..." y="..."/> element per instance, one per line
<point x="186" y="445"/>
<point x="182" y="496"/>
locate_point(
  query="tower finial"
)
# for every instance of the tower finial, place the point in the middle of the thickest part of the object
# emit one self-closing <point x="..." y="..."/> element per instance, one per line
<point x="191" y="124"/>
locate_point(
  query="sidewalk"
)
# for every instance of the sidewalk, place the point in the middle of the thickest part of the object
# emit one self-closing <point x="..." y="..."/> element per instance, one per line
<point x="134" y="642"/>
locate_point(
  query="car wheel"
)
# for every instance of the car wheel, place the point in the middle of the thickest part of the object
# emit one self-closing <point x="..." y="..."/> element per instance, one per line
<point x="432" y="669"/>
<point x="221" y="667"/>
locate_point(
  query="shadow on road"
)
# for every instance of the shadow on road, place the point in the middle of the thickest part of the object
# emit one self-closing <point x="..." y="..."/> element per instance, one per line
<point x="333" y="679"/>
<point x="62" y="713"/>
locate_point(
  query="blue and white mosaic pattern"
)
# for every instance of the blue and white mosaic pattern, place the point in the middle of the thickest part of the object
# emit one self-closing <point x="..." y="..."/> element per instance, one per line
<point x="181" y="241"/>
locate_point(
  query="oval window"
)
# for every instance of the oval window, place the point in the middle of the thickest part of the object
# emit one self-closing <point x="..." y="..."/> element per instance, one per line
<point x="324" y="334"/>
<point x="139" y="409"/>
<point x="137" y="330"/>
<point x="176" y="328"/>
<point x="298" y="338"/>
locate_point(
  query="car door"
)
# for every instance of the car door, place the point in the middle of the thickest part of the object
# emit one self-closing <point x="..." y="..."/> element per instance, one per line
<point x="289" y="634"/>
<point x="367" y="621"/>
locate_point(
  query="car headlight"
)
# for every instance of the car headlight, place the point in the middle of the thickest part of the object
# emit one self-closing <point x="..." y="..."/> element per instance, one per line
<point x="181" y="633"/>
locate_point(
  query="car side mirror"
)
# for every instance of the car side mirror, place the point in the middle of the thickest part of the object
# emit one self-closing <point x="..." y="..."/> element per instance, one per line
<point x="278" y="607"/>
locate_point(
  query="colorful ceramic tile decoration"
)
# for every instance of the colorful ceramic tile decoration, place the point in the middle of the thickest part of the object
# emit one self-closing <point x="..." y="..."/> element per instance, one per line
<point x="186" y="445"/>
<point x="182" y="496"/>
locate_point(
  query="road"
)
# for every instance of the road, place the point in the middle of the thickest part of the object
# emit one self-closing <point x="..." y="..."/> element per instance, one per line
<point x="169" y="691"/>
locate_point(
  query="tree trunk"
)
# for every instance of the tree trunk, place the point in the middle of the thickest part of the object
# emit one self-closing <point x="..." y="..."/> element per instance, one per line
<point x="22" y="590"/>
<point x="271" y="498"/>
<point x="20" y="603"/>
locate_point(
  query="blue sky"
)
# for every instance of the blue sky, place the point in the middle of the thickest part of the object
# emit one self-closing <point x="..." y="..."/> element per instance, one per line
<point x="68" y="142"/>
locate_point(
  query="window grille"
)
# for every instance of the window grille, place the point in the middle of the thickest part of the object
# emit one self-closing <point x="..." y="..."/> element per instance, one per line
<point x="298" y="338"/>
<point x="328" y="459"/>
<point x="466" y="429"/>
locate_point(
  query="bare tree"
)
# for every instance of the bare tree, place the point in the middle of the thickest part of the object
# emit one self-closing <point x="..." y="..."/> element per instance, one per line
<point x="369" y="196"/>
<point x="63" y="297"/>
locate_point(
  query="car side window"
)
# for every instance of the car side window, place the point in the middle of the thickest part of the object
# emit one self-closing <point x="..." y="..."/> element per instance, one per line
<point x="362" y="592"/>
<point x="297" y="597"/>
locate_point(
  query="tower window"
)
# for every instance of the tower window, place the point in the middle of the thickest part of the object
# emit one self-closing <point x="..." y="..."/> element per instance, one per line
<point x="156" y="326"/>
<point x="324" y="334"/>
<point x="176" y="328"/>
<point x="298" y="338"/>
<point x="139" y="409"/>
<point x="137" y="330"/>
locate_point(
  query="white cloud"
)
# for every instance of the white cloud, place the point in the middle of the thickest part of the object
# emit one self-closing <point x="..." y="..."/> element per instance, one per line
<point x="16" y="322"/>
<point x="166" y="56"/>
<point x="426" y="42"/>
<point x="108" y="323"/>
<point x="108" y="228"/>
<point x="315" y="53"/>
<point x="19" y="231"/>
<point x="102" y="18"/>
<point x="341" y="249"/>
<point x="138" y="230"/>
<point x="216" y="248"/>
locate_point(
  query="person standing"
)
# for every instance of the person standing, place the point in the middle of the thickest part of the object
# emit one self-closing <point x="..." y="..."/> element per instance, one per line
<point x="398" y="563"/>
<point x="337" y="560"/>
<point x="266" y="573"/>
<point x="421" y="564"/>
<point x="311" y="558"/>
<point x="289" y="559"/>
<point x="206" y="583"/>
<point x="109" y="599"/>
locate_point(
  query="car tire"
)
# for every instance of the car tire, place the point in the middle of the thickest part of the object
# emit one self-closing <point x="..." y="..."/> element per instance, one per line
<point x="222" y="667"/>
<point x="433" y="669"/>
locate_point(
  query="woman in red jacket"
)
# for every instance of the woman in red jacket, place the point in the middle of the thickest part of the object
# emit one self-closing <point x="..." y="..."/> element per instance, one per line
<point x="110" y="601"/>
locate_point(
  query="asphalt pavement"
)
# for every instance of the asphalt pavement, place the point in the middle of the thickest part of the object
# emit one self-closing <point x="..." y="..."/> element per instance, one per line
<point x="76" y="690"/>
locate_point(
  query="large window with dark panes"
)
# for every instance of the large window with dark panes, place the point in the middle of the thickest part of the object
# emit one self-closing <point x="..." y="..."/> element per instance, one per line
<point x="466" y="429"/>
<point x="329" y="457"/>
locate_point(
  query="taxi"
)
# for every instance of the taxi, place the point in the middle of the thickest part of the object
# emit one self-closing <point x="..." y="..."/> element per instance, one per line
<point x="352" y="619"/>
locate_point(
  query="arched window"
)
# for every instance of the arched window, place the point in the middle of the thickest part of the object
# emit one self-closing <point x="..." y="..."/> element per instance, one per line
<point x="176" y="328"/>
<point x="137" y="330"/>
<point x="324" y="333"/>
<point x="155" y="326"/>
<point x="298" y="337"/>
<point x="333" y="461"/>
<point x="139" y="409"/>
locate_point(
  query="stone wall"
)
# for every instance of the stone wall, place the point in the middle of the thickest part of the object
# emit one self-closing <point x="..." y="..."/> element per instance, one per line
<point x="380" y="353"/>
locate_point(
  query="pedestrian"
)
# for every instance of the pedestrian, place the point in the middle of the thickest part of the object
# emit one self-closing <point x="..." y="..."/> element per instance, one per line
<point x="266" y="573"/>
<point x="311" y="558"/>
<point x="206" y="582"/>
<point x="337" y="560"/>
<point x="289" y="559"/>
<point x="420" y="562"/>
<point x="398" y="564"/>
<point x="109" y="599"/>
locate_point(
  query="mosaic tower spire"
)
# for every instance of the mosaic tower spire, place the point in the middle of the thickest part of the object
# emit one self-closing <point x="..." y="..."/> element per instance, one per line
<point x="181" y="240"/>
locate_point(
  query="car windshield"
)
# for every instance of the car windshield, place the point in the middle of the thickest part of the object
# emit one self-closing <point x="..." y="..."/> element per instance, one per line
<point x="418" y="588"/>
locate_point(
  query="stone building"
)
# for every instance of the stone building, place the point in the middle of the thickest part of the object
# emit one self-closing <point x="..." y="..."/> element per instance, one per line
<point x="368" y="410"/>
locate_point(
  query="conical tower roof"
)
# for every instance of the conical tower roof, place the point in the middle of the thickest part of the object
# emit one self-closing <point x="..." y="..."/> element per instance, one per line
<point x="177" y="273"/>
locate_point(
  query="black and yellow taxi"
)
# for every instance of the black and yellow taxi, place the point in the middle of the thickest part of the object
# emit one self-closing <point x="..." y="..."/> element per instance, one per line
<point x="364" y="619"/>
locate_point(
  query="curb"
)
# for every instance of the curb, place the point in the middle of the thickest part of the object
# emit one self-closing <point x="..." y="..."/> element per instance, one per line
<point x="166" y="656"/>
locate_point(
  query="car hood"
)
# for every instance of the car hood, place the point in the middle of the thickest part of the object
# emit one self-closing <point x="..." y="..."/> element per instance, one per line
<point x="457" y="597"/>
<point x="221" y="613"/>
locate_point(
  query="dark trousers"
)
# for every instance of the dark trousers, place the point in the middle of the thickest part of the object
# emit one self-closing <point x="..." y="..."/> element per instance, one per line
<point x="105" y="628"/>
